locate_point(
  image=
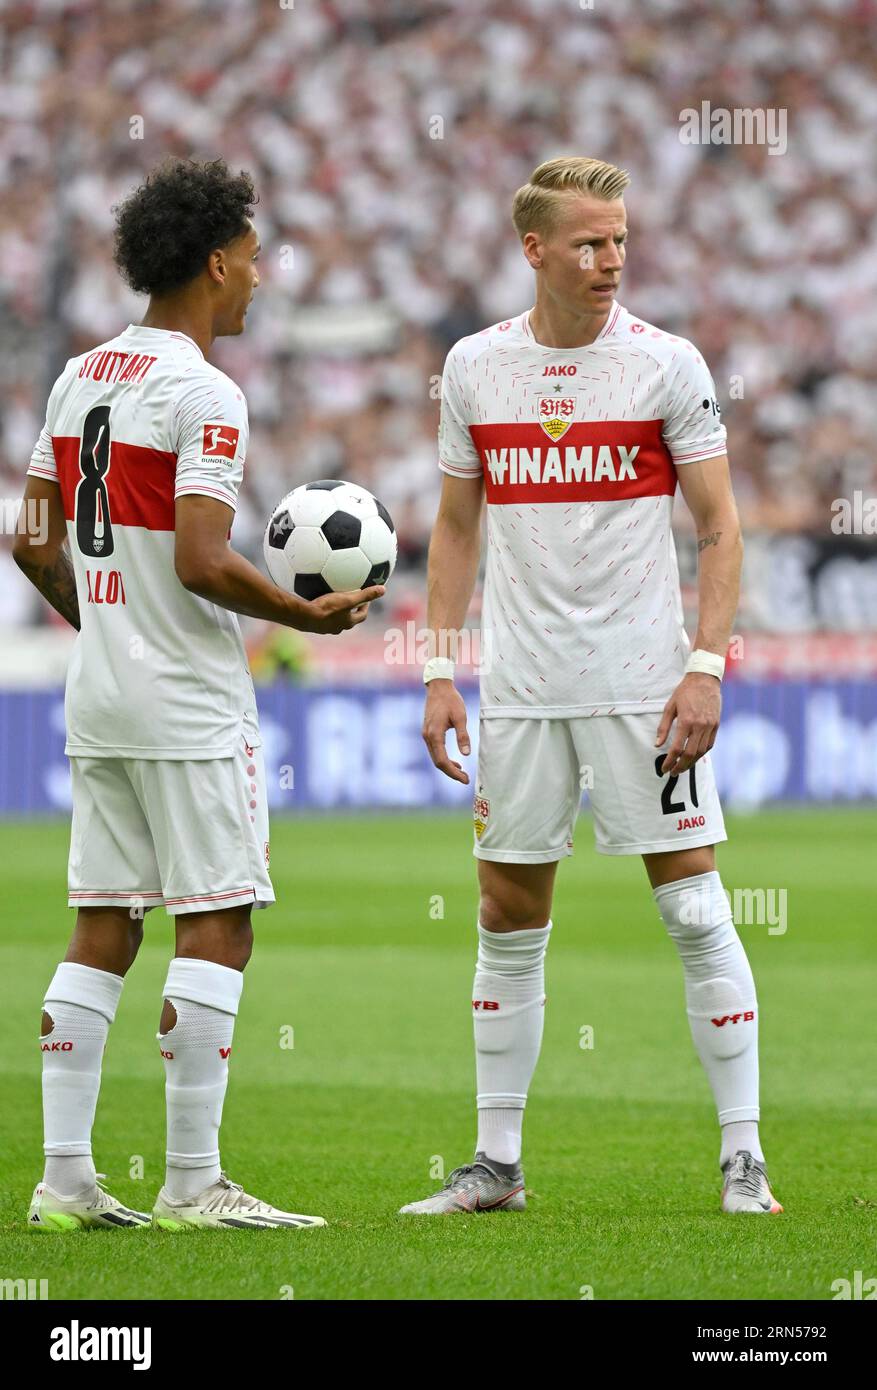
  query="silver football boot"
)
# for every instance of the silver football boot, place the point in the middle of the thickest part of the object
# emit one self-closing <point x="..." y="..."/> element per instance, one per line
<point x="483" y="1185"/>
<point x="746" y="1187"/>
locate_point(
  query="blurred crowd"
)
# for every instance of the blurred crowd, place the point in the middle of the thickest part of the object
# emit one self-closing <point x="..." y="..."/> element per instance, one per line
<point x="386" y="139"/>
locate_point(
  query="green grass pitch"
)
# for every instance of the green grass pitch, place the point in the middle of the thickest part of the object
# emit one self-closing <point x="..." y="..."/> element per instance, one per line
<point x="621" y="1145"/>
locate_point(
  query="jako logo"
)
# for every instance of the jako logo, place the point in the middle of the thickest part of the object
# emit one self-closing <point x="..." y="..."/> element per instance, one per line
<point x="484" y="1004"/>
<point x="734" y="1018"/>
<point x="56" y="1047"/>
<point x="75" y="1343"/>
<point x="561" y="370"/>
<point x="168" y="1056"/>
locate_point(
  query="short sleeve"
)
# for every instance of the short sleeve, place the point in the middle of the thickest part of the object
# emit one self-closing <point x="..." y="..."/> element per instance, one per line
<point x="693" y="428"/>
<point x="211" y="434"/>
<point x="457" y="453"/>
<point x="42" y="460"/>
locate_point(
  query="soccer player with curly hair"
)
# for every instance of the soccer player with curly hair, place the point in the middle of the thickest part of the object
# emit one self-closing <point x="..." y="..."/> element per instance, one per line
<point x="137" y="472"/>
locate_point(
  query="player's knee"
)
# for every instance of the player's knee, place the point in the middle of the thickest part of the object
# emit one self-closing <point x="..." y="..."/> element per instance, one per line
<point x="501" y="912"/>
<point x="696" y="912"/>
<point x="241" y="945"/>
<point x="224" y="937"/>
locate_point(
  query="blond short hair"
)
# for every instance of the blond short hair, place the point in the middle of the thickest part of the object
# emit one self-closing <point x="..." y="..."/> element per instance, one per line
<point x="536" y="205"/>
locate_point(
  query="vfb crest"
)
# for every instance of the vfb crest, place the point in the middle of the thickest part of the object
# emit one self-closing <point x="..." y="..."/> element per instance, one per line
<point x="556" y="416"/>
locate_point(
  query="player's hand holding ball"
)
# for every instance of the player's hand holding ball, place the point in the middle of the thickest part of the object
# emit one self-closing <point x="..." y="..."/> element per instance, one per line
<point x="333" y="545"/>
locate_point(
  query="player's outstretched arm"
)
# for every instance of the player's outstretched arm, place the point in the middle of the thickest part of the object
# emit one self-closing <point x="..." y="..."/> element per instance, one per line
<point x="40" y="548"/>
<point x="696" y="703"/>
<point x="454" y="552"/>
<point x="207" y="566"/>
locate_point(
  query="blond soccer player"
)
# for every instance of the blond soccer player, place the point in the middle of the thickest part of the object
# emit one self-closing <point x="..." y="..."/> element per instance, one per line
<point x="574" y="422"/>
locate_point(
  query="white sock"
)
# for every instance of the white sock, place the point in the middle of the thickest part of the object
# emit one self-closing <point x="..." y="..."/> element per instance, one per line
<point x="205" y="998"/>
<point x="508" y="1001"/>
<point x="740" y="1134"/>
<point x="499" y="1135"/>
<point x="81" y="1002"/>
<point x="720" y="997"/>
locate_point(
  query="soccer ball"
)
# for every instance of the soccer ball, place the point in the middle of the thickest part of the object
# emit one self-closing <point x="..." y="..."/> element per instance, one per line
<point x="329" y="536"/>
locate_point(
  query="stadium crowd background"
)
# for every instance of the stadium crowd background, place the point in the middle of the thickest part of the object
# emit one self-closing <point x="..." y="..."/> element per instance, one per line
<point x="386" y="139"/>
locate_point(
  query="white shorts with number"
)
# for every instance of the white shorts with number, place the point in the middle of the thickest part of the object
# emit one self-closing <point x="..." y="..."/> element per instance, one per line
<point x="190" y="836"/>
<point x="531" y="774"/>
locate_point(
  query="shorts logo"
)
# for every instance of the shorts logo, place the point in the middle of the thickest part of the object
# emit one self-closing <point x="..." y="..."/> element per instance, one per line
<point x="220" y="441"/>
<point x="224" y="1051"/>
<point x="690" y="822"/>
<point x="747" y="1017"/>
<point x="556" y="416"/>
<point x="267" y="854"/>
<point x="56" y="1047"/>
<point x="482" y="815"/>
<point x="168" y="1056"/>
<point x="484" y="1004"/>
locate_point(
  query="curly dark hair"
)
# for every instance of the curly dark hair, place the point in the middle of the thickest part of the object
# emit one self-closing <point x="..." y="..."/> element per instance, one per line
<point x="166" y="228"/>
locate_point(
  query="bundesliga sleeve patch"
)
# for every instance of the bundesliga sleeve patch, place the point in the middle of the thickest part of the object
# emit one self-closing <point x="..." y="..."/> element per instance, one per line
<point x="220" y="441"/>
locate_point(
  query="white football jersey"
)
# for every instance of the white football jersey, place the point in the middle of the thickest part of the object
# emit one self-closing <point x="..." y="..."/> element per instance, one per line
<point x="579" y="449"/>
<point x="156" y="672"/>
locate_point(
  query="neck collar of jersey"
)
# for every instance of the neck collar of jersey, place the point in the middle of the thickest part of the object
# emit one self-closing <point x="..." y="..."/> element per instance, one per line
<point x="605" y="331"/>
<point x="141" y="331"/>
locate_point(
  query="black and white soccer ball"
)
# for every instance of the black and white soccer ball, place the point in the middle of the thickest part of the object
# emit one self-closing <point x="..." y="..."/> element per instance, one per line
<point x="329" y="536"/>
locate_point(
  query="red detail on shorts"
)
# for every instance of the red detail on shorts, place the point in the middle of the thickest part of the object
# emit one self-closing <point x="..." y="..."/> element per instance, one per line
<point x="210" y="897"/>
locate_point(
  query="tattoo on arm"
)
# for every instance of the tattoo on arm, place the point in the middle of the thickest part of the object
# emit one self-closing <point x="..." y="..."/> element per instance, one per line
<point x="711" y="539"/>
<point x="57" y="584"/>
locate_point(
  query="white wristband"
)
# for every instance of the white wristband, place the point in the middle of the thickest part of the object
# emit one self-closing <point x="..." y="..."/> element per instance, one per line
<point x="707" y="663"/>
<point x="438" y="668"/>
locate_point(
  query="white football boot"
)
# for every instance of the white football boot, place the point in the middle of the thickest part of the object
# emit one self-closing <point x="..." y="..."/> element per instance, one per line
<point x="746" y="1187"/>
<point x="224" y="1205"/>
<point x="93" y="1207"/>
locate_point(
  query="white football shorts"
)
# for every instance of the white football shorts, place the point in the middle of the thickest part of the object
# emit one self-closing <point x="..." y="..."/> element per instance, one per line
<point x="185" y="835"/>
<point x="532" y="772"/>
